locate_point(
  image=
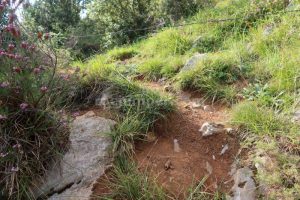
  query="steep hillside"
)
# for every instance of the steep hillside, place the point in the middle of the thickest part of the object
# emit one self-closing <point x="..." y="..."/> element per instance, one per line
<point x="245" y="56"/>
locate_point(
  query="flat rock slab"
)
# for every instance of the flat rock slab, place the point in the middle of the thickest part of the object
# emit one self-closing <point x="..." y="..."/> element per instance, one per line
<point x="74" y="175"/>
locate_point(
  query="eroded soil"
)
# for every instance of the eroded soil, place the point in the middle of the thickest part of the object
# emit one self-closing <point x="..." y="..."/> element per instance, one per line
<point x="177" y="170"/>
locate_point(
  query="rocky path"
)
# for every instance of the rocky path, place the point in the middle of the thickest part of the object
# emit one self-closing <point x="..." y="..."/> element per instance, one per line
<point x="190" y="144"/>
<point x="179" y="156"/>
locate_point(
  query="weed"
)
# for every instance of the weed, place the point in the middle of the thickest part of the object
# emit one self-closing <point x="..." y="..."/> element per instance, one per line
<point x="30" y="140"/>
<point x="165" y="43"/>
<point x="198" y="192"/>
<point x="128" y="183"/>
<point x="261" y="121"/>
<point x="121" y="53"/>
<point x="152" y="68"/>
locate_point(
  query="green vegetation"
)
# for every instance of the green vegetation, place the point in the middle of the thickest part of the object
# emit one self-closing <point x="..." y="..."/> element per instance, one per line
<point x="251" y="63"/>
<point x="138" y="110"/>
<point x="198" y="192"/>
<point x="128" y="183"/>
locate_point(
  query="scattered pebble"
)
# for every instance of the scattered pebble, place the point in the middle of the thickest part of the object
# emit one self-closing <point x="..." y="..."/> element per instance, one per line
<point x="196" y="105"/>
<point x="176" y="146"/>
<point x="209" y="168"/>
<point x="229" y="130"/>
<point x="225" y="148"/>
<point x="168" y="165"/>
<point x="208" y="108"/>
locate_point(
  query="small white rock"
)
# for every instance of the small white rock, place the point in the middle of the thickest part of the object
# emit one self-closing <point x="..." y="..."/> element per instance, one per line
<point x="208" y="108"/>
<point x="209" y="168"/>
<point x="208" y="129"/>
<point x="229" y="130"/>
<point x="225" y="148"/>
<point x="176" y="146"/>
<point x="196" y="105"/>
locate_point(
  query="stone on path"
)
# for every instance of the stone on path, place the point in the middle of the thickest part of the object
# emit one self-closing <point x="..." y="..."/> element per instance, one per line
<point x="208" y="168"/>
<point x="74" y="175"/>
<point x="209" y="129"/>
<point x="225" y="148"/>
<point x="177" y="149"/>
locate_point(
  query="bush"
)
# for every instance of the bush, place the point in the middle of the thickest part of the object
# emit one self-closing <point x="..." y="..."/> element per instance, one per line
<point x="30" y="135"/>
<point x="168" y="42"/>
<point x="115" y="18"/>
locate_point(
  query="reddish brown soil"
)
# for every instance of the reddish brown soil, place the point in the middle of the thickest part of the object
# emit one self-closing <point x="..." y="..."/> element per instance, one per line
<point x="189" y="165"/>
<point x="102" y="186"/>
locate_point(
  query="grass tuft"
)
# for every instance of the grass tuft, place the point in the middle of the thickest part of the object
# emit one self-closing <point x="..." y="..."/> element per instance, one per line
<point x="128" y="183"/>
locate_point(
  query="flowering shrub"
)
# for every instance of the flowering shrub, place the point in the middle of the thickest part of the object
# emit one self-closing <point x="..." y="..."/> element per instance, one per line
<point x="30" y="136"/>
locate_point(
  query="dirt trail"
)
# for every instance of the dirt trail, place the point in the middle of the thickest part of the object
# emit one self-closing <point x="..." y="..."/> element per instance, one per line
<point x="177" y="170"/>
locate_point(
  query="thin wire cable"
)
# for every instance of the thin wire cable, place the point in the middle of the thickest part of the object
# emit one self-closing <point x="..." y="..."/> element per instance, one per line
<point x="157" y="27"/>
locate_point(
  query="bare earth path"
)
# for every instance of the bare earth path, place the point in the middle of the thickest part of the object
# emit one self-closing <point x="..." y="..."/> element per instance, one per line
<point x="177" y="169"/>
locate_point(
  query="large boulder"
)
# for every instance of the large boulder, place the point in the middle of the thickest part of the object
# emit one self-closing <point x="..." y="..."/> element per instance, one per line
<point x="192" y="62"/>
<point x="73" y="176"/>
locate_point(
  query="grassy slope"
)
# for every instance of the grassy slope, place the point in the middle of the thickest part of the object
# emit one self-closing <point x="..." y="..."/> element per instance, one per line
<point x="239" y="51"/>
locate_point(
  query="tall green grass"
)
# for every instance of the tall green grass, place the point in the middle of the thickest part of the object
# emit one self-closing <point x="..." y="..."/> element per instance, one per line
<point x="128" y="183"/>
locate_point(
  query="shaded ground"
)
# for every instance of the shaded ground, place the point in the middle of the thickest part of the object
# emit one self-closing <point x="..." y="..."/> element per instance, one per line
<point x="178" y="171"/>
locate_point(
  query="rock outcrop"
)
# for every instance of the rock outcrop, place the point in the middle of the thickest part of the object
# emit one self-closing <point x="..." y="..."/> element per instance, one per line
<point x="73" y="176"/>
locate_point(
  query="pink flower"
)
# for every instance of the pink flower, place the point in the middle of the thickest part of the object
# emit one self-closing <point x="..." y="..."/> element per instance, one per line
<point x="47" y="36"/>
<point x="31" y="47"/>
<point x="2" y="117"/>
<point x="44" y="89"/>
<point x="37" y="70"/>
<point x="75" y="114"/>
<point x="4" y="84"/>
<point x="15" y="169"/>
<point x="2" y="155"/>
<point x="11" y="47"/>
<point x="23" y="106"/>
<point x="18" y="57"/>
<point x="17" y="69"/>
<point x="12" y="17"/>
<point x="12" y="56"/>
<point x="10" y="27"/>
<point x="24" y="45"/>
<point x="17" y="146"/>
<point x="1" y="7"/>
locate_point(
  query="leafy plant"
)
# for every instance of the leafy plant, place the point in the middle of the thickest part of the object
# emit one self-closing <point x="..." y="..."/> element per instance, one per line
<point x="30" y="135"/>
